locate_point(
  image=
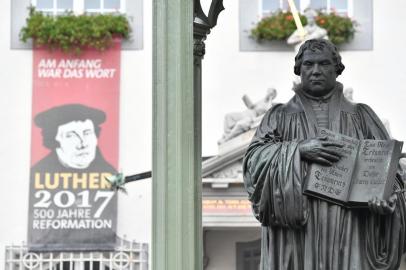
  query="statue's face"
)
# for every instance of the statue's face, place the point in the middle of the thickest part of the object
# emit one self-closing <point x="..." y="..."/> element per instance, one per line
<point x="310" y="16"/>
<point x="318" y="72"/>
<point x="310" y="19"/>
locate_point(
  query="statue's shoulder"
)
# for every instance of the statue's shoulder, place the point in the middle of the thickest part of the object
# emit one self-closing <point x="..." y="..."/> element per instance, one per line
<point x="349" y="106"/>
<point x="362" y="106"/>
<point x="364" y="109"/>
<point x="293" y="106"/>
<point x="278" y="109"/>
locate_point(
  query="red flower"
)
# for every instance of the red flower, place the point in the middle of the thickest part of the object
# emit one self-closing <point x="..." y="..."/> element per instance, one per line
<point x="289" y="17"/>
<point x="322" y="21"/>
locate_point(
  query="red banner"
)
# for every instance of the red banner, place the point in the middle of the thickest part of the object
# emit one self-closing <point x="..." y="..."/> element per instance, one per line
<point x="75" y="112"/>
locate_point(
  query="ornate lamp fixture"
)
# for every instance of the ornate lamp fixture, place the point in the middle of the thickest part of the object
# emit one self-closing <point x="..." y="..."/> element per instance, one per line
<point x="202" y="24"/>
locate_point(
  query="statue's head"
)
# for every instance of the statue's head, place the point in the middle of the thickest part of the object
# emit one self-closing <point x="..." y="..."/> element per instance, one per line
<point x="318" y="63"/>
<point x="348" y="93"/>
<point x="271" y="93"/>
<point x="310" y="14"/>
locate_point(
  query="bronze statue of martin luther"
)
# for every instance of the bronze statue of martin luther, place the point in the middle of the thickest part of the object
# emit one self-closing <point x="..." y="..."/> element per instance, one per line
<point x="306" y="233"/>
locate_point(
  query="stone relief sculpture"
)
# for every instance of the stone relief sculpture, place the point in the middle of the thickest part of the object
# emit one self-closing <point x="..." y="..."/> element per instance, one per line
<point x="236" y="123"/>
<point x="306" y="233"/>
<point x="313" y="31"/>
<point x="233" y="170"/>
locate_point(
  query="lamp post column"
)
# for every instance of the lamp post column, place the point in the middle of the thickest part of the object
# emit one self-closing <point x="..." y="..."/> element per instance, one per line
<point x="176" y="169"/>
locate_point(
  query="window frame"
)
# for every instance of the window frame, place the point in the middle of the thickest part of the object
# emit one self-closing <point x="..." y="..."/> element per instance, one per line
<point x="78" y="7"/>
<point x="304" y="4"/>
<point x="54" y="10"/>
<point x="250" y="246"/>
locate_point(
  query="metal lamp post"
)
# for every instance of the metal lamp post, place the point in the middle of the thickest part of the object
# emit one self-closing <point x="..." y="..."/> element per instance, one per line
<point x="179" y="30"/>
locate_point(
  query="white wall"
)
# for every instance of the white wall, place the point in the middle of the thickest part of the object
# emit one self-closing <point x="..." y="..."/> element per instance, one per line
<point x="135" y="136"/>
<point x="15" y="116"/>
<point x="134" y="214"/>
<point x="377" y="76"/>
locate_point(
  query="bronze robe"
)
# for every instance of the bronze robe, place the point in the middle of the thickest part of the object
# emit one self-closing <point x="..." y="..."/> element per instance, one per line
<point x="304" y="233"/>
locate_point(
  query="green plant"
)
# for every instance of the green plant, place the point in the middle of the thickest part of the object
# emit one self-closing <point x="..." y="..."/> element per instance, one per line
<point x="277" y="26"/>
<point x="72" y="33"/>
<point x="280" y="25"/>
<point x="340" y="29"/>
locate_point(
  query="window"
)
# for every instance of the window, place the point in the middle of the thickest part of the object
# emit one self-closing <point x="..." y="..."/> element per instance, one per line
<point x="253" y="10"/>
<point x="343" y="7"/>
<point x="339" y="6"/>
<point x="269" y="6"/>
<point x="56" y="7"/>
<point x="248" y="255"/>
<point x="53" y="7"/>
<point x="132" y="8"/>
<point x="104" y="6"/>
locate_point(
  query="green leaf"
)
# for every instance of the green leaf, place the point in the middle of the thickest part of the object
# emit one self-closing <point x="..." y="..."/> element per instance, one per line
<point x="71" y="33"/>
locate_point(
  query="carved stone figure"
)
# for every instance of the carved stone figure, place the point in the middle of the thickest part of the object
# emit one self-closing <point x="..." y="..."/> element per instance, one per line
<point x="313" y="31"/>
<point x="305" y="233"/>
<point x="238" y="122"/>
<point x="349" y="93"/>
<point x="233" y="170"/>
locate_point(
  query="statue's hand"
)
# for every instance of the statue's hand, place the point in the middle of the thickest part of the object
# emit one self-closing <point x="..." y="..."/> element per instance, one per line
<point x="383" y="207"/>
<point x="320" y="150"/>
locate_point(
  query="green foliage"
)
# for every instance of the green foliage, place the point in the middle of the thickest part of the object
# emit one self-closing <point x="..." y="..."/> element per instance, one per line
<point x="280" y="25"/>
<point x="72" y="33"/>
<point x="340" y="29"/>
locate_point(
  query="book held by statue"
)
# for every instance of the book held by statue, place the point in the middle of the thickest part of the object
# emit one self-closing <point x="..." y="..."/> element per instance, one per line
<point x="367" y="169"/>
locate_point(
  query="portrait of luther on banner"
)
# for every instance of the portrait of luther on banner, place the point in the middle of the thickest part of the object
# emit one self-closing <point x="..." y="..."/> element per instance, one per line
<point x="71" y="206"/>
<point x="71" y="133"/>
